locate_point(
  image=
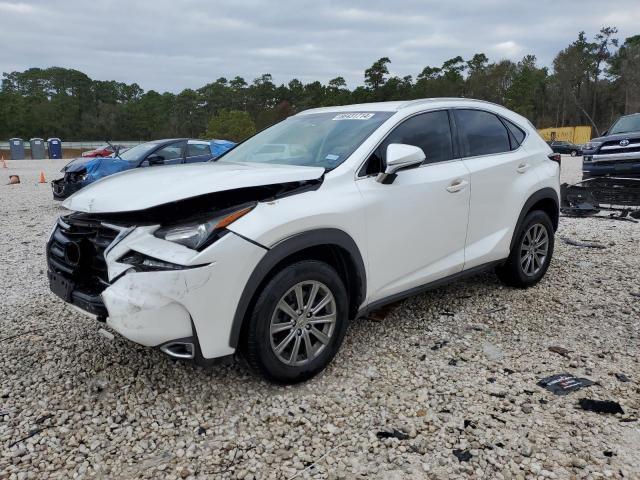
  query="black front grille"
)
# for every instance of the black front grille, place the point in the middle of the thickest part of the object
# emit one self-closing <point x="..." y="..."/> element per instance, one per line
<point x="76" y="251"/>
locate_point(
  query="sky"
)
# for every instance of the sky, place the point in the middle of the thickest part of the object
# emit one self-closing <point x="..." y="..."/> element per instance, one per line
<point x="170" y="45"/>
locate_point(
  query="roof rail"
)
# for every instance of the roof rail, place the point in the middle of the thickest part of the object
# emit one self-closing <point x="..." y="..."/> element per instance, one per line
<point x="421" y="101"/>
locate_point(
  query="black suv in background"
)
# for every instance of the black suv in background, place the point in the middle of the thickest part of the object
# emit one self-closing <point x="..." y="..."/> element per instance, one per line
<point x="568" y="148"/>
<point x="616" y="152"/>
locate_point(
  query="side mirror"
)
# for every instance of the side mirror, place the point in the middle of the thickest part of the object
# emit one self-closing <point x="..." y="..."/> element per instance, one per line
<point x="400" y="156"/>
<point x="155" y="160"/>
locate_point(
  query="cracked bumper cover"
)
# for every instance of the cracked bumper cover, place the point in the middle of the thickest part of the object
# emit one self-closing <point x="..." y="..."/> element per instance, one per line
<point x="156" y="307"/>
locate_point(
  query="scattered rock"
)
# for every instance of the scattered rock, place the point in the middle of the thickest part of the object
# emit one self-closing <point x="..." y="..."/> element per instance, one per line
<point x="492" y="352"/>
<point x="462" y="455"/>
<point x="439" y="345"/>
<point x="560" y="351"/>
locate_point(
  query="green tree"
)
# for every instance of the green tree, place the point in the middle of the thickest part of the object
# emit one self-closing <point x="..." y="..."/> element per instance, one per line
<point x="230" y="125"/>
<point x="374" y="76"/>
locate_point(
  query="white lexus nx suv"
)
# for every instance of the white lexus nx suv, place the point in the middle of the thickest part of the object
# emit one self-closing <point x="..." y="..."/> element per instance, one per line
<point x="273" y="248"/>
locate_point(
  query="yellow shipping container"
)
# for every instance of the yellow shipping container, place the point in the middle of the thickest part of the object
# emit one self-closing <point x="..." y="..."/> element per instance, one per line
<point x="578" y="135"/>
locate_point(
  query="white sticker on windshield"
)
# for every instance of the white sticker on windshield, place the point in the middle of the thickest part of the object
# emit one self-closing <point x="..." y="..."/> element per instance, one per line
<point x="353" y="116"/>
<point x="332" y="157"/>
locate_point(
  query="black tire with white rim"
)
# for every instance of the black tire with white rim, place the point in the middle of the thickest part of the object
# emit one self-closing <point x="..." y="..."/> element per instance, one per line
<point x="532" y="252"/>
<point x="574" y="153"/>
<point x="298" y="322"/>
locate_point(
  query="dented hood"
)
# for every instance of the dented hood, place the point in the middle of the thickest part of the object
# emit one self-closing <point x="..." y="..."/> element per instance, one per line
<point x="148" y="187"/>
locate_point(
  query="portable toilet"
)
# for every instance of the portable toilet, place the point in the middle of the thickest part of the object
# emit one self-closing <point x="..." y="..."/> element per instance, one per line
<point x="37" y="148"/>
<point x="55" y="148"/>
<point x="16" y="147"/>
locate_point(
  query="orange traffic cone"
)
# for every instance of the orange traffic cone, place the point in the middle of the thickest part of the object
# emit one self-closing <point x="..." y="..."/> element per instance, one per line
<point x="42" y="179"/>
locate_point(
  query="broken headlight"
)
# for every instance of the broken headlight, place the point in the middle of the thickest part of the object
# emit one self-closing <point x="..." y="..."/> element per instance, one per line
<point x="144" y="263"/>
<point x="197" y="233"/>
<point x="77" y="177"/>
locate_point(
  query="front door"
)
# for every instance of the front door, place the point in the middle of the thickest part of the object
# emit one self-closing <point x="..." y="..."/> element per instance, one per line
<point x="417" y="225"/>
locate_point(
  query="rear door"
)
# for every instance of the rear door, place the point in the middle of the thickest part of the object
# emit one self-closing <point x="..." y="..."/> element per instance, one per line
<point x="501" y="173"/>
<point x="198" y="151"/>
<point x="416" y="225"/>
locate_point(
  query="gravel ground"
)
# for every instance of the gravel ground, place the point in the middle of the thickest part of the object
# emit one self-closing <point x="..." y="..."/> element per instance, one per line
<point x="452" y="371"/>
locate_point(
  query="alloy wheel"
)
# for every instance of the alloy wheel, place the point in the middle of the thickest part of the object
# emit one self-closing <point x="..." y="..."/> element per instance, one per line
<point x="303" y="323"/>
<point x="534" y="249"/>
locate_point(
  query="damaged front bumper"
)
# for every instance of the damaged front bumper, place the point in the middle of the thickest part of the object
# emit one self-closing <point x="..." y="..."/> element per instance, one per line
<point x="187" y="311"/>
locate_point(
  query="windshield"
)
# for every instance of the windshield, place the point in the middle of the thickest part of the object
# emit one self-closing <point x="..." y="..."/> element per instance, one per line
<point x="138" y="152"/>
<point x="314" y="140"/>
<point x="626" y="124"/>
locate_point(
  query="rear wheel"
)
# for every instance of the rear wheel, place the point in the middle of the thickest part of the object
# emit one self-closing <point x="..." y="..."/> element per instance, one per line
<point x="531" y="255"/>
<point x="298" y="322"/>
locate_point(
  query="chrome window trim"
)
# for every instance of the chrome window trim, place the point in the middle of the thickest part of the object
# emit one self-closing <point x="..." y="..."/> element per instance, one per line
<point x="439" y="109"/>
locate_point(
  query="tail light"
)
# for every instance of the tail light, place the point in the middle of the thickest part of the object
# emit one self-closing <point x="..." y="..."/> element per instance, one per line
<point x="556" y="157"/>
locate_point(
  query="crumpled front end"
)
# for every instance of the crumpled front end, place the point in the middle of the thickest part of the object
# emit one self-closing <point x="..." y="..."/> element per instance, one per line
<point x="152" y="291"/>
<point x="81" y="172"/>
<point x="68" y="185"/>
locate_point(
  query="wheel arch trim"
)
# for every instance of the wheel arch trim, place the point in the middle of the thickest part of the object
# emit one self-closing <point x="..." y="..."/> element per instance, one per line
<point x="547" y="193"/>
<point x="285" y="248"/>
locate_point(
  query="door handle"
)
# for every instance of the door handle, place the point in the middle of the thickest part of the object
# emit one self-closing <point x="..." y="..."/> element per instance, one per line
<point x="457" y="185"/>
<point x="523" y="167"/>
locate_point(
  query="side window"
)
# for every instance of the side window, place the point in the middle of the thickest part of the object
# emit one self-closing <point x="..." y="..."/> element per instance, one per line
<point x="170" y="152"/>
<point x="515" y="132"/>
<point x="197" y="149"/>
<point x="430" y="131"/>
<point x="481" y="133"/>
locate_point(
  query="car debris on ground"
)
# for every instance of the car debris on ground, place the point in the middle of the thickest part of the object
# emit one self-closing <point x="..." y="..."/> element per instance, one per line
<point x="600" y="406"/>
<point x="576" y="243"/>
<point x="564" y="383"/>
<point x="587" y="198"/>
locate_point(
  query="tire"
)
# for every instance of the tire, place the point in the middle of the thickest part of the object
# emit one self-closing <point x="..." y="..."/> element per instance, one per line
<point x="517" y="271"/>
<point x="261" y="346"/>
<point x="573" y="153"/>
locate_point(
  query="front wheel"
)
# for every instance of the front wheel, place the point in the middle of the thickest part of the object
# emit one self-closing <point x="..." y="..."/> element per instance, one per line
<point x="573" y="153"/>
<point x="531" y="255"/>
<point x="298" y="322"/>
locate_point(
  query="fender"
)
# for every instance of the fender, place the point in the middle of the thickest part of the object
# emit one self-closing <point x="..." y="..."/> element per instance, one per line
<point x="285" y="248"/>
<point x="547" y="193"/>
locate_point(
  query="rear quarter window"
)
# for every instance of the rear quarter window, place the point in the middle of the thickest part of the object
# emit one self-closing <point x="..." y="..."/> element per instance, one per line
<point x="516" y="133"/>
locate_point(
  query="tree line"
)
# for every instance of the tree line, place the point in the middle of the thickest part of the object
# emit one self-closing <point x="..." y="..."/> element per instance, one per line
<point x="593" y="81"/>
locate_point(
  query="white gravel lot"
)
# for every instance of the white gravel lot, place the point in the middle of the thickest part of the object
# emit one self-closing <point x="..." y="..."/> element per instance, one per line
<point x="95" y="408"/>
